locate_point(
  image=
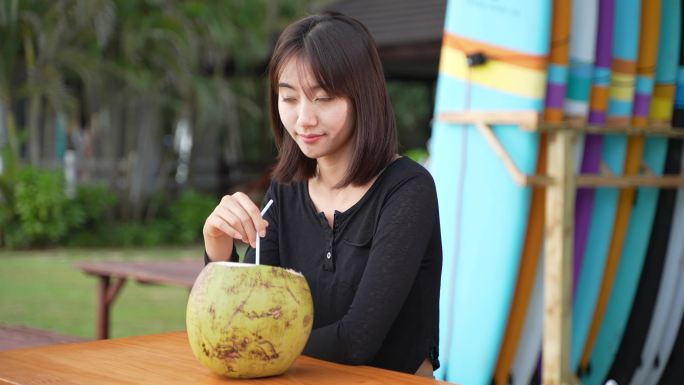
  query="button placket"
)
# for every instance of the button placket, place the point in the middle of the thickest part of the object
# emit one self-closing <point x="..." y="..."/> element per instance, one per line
<point x="329" y="263"/>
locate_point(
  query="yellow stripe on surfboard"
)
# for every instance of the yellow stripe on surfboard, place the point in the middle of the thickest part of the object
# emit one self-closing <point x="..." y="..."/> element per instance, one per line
<point x="505" y="77"/>
<point x="661" y="103"/>
<point x="622" y="87"/>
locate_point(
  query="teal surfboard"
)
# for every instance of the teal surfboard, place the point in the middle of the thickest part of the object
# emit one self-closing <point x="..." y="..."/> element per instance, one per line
<point x="631" y="263"/>
<point x="473" y="185"/>
<point x="643" y="210"/>
<point x="625" y="46"/>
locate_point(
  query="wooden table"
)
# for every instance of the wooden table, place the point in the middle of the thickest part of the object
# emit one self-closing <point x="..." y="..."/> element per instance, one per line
<point x="173" y="272"/>
<point x="165" y="359"/>
<point x="16" y="337"/>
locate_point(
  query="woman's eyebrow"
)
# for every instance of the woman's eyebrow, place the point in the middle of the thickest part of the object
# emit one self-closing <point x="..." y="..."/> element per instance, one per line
<point x="287" y="85"/>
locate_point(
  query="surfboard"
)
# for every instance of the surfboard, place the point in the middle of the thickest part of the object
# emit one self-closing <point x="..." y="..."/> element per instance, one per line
<point x="590" y="299"/>
<point x="660" y="331"/>
<point x="674" y="372"/>
<point x="584" y="27"/>
<point x="526" y="273"/>
<point x="583" y="50"/>
<point x="528" y="351"/>
<point x="667" y="312"/>
<point x="634" y="153"/>
<point x="634" y="217"/>
<point x="628" y="357"/>
<point x="667" y="364"/>
<point x="447" y="168"/>
<point x="532" y="245"/>
<point x="663" y="345"/>
<point x="514" y="39"/>
<point x="591" y="158"/>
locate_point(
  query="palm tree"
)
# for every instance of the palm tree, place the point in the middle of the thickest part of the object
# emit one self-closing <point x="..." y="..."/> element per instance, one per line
<point x="129" y="70"/>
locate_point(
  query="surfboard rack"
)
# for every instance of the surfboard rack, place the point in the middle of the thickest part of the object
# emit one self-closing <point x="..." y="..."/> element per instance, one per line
<point x="560" y="183"/>
<point x="532" y="121"/>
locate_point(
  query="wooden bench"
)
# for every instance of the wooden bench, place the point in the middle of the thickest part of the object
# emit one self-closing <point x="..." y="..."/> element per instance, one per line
<point x="18" y="337"/>
<point x="172" y="272"/>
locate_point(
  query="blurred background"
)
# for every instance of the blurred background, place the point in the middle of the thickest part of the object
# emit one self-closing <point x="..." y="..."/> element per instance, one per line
<point x="123" y="122"/>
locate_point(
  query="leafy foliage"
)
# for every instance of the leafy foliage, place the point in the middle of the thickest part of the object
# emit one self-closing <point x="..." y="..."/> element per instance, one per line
<point x="188" y="213"/>
<point x="39" y="212"/>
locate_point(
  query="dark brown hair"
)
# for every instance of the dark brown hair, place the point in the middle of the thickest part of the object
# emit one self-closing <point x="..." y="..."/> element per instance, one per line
<point x="343" y="59"/>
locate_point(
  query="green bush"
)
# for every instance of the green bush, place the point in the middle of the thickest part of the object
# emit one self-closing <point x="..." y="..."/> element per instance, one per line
<point x="176" y="221"/>
<point x="35" y="212"/>
<point x="188" y="213"/>
<point x="38" y="212"/>
<point x="95" y="201"/>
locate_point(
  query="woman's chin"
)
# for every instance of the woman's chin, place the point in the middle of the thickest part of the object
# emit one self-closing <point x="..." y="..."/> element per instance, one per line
<point x="309" y="152"/>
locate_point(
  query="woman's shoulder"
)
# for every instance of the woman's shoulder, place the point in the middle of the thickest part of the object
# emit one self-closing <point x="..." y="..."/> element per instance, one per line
<point x="405" y="168"/>
<point x="286" y="189"/>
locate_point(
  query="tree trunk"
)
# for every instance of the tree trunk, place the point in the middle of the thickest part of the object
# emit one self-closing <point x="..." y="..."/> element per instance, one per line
<point x="48" y="139"/>
<point x="33" y="106"/>
<point x="3" y="136"/>
<point x="129" y="155"/>
<point x="147" y="155"/>
<point x="11" y="141"/>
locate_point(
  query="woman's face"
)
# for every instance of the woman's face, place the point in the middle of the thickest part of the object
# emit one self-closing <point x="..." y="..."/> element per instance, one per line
<point x="319" y="123"/>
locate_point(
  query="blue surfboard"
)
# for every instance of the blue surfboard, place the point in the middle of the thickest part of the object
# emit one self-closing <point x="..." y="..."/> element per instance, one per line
<point x="473" y="185"/>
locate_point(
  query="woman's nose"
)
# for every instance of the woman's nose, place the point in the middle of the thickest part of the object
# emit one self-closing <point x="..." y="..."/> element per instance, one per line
<point x="306" y="114"/>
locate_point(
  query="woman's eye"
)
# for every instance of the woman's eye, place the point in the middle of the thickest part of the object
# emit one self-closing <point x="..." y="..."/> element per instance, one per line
<point x="323" y="99"/>
<point x="288" y="99"/>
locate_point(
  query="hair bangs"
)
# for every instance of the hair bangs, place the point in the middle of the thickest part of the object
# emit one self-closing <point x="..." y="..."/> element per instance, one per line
<point x="337" y="54"/>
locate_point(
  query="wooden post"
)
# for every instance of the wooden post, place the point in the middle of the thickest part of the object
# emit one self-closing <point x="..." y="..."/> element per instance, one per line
<point x="560" y="208"/>
<point x="105" y="298"/>
<point x="103" y="308"/>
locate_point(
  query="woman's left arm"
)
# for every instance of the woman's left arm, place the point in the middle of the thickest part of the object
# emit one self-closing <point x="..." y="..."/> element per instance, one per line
<point x="401" y="239"/>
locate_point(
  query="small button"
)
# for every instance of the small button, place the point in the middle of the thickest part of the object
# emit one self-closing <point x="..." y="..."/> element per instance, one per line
<point x="329" y="255"/>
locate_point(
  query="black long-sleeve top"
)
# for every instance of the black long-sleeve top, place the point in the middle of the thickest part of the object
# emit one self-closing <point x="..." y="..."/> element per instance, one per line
<point x="374" y="276"/>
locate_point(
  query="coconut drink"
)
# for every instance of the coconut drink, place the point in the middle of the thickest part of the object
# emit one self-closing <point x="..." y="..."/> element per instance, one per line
<point x="247" y="321"/>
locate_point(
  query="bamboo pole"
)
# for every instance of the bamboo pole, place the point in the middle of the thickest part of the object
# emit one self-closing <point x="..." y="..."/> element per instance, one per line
<point x="560" y="208"/>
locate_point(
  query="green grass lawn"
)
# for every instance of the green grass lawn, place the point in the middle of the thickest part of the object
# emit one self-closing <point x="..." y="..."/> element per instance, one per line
<point x="43" y="289"/>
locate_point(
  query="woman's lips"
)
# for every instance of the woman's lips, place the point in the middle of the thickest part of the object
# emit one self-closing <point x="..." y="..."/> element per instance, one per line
<point x="309" y="139"/>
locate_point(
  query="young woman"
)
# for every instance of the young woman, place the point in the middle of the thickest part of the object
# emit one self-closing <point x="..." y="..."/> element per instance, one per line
<point x="359" y="221"/>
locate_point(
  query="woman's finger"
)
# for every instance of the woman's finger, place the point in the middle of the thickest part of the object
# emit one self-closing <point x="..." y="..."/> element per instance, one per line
<point x="253" y="211"/>
<point x="238" y="212"/>
<point x="226" y="215"/>
<point x="217" y="222"/>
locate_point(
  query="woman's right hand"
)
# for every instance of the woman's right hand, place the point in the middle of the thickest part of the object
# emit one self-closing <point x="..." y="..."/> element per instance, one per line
<point x="235" y="217"/>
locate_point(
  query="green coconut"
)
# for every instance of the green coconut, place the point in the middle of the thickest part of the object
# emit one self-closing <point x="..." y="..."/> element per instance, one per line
<point x="247" y="321"/>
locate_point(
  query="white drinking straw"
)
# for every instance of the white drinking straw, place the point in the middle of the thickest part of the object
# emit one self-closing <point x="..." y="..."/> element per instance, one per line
<point x="258" y="236"/>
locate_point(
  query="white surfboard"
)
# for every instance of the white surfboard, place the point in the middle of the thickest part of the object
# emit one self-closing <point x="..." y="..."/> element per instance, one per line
<point x="667" y="312"/>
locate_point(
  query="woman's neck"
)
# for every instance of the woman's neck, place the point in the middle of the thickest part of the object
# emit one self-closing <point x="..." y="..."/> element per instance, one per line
<point x="326" y="196"/>
<point x="331" y="170"/>
<point x="328" y="176"/>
